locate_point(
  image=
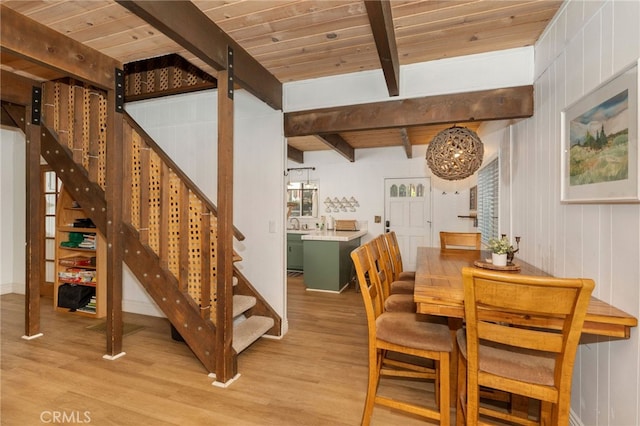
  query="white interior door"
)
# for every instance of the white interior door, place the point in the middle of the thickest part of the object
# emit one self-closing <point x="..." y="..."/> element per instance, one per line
<point x="407" y="211"/>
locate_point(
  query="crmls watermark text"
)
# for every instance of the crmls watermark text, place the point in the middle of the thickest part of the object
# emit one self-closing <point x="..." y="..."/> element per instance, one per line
<point x="61" y="417"/>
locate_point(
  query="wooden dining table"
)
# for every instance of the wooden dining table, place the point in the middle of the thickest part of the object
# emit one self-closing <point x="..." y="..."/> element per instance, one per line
<point x="439" y="291"/>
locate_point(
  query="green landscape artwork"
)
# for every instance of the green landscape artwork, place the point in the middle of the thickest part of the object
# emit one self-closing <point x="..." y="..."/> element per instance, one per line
<point x="599" y="141"/>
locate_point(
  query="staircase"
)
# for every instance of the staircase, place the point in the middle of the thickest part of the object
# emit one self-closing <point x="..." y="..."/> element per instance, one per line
<point x="169" y="225"/>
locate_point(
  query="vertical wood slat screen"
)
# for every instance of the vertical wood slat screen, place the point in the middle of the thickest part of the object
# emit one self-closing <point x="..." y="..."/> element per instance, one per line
<point x="488" y="198"/>
<point x="168" y="215"/>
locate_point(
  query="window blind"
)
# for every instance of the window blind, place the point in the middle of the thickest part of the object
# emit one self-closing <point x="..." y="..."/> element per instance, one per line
<point x="488" y="197"/>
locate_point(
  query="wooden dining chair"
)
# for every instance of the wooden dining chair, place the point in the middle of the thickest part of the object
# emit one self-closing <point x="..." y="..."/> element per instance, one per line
<point x="376" y="250"/>
<point x="402" y="281"/>
<point x="401" y="333"/>
<point x="468" y="240"/>
<point x="498" y="352"/>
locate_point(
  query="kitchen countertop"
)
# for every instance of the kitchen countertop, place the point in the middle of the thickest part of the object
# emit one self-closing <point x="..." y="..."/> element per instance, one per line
<point x="332" y="235"/>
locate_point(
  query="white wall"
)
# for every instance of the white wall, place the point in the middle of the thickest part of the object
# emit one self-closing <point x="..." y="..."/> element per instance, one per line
<point x="364" y="180"/>
<point x="505" y="68"/>
<point x="12" y="218"/>
<point x="587" y="43"/>
<point x="185" y="127"/>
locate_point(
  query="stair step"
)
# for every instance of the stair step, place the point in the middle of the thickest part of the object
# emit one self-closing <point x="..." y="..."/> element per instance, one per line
<point x="250" y="330"/>
<point x="242" y="303"/>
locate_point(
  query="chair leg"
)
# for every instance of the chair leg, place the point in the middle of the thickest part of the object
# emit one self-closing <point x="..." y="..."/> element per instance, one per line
<point x="375" y="365"/>
<point x="547" y="412"/>
<point x="461" y="398"/>
<point x="472" y="412"/>
<point x="445" y="409"/>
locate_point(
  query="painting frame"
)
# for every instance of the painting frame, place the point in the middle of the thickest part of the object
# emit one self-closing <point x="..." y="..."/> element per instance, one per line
<point x="597" y="164"/>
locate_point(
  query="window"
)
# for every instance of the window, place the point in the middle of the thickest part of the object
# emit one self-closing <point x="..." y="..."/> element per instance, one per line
<point x="488" y="197"/>
<point x="302" y="199"/>
<point x="51" y="191"/>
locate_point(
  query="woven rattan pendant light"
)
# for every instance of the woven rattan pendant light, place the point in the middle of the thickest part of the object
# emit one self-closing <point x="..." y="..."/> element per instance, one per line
<point x="455" y="153"/>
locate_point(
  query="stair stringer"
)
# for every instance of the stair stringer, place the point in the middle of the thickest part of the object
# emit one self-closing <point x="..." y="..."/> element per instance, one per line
<point x="183" y="313"/>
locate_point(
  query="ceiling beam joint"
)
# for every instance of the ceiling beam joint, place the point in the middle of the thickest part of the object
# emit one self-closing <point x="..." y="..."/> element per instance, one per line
<point x="338" y="144"/>
<point x="119" y="90"/>
<point x="406" y="142"/>
<point x="36" y="105"/>
<point x="295" y="154"/>
<point x="230" y="72"/>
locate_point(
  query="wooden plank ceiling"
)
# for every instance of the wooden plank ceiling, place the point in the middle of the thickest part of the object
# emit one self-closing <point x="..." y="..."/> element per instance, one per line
<point x="303" y="39"/>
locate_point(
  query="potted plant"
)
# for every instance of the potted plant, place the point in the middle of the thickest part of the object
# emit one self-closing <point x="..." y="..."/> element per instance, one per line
<point x="500" y="248"/>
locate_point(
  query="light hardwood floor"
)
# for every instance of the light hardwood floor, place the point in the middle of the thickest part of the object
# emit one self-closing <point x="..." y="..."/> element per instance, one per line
<point x="315" y="375"/>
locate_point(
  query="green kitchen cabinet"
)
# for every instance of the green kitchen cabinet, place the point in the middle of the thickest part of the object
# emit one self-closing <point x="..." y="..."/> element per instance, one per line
<point x="328" y="265"/>
<point x="294" y="252"/>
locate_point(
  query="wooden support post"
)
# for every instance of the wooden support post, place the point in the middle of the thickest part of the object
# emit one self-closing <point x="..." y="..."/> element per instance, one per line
<point x="114" y="234"/>
<point x="34" y="222"/>
<point x="226" y="366"/>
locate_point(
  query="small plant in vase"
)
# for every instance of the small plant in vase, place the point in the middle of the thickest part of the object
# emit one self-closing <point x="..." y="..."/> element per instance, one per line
<point x="501" y="248"/>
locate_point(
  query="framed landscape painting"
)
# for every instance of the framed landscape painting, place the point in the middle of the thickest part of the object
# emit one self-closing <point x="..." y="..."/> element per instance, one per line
<point x="600" y="143"/>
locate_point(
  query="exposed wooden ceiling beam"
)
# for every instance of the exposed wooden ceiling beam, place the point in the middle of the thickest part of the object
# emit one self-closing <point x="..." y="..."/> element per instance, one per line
<point x="338" y="144"/>
<point x="31" y="40"/>
<point x="192" y="29"/>
<point x="381" y="20"/>
<point x="485" y="105"/>
<point x="15" y="88"/>
<point x="406" y="142"/>
<point x="295" y="154"/>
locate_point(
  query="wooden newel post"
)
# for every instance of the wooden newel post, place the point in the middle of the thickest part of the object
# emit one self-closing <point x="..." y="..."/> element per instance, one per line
<point x="34" y="222"/>
<point x="226" y="366"/>
<point x="114" y="236"/>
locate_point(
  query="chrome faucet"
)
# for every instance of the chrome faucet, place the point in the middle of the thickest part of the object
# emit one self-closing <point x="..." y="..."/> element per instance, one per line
<point x="297" y="224"/>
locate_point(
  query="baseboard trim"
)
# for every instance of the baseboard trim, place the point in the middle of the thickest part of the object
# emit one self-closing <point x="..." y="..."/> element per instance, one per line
<point x="225" y="384"/>
<point x="35" y="336"/>
<point x="114" y="357"/>
<point x="6" y="288"/>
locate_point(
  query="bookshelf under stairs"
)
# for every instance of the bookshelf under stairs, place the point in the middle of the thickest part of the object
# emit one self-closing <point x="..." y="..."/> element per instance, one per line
<point x="169" y="227"/>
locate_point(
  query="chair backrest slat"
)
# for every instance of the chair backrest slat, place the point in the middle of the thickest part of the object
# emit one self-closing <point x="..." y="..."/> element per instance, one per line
<point x="521" y="337"/>
<point x="391" y="240"/>
<point x="541" y="298"/>
<point x="368" y="282"/>
<point x="471" y="240"/>
<point x="379" y="253"/>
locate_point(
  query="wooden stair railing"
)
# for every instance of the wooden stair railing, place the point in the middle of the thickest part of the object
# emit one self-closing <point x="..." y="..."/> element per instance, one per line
<point x="161" y="206"/>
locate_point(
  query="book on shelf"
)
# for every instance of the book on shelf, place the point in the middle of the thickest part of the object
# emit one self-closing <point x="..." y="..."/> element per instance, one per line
<point x="78" y="261"/>
<point x="89" y="307"/>
<point x="77" y="275"/>
<point x="80" y="240"/>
